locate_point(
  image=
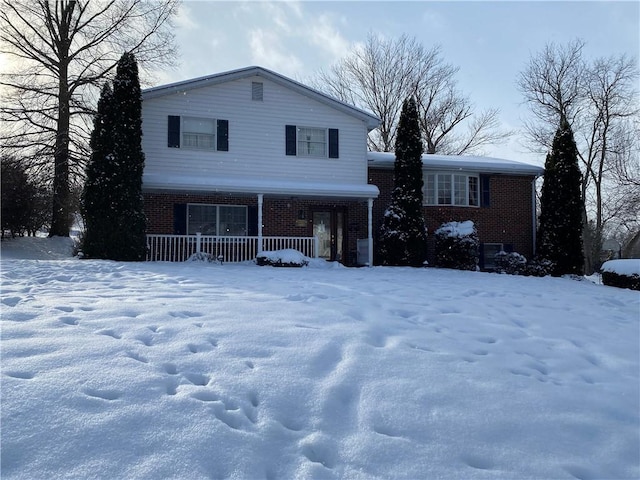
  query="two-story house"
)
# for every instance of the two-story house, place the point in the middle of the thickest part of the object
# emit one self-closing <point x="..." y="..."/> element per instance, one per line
<point x="250" y="160"/>
<point x="251" y="153"/>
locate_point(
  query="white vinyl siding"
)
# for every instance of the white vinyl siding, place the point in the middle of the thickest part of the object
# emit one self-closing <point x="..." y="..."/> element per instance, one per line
<point x="216" y="219"/>
<point x="258" y="137"/>
<point x="451" y="189"/>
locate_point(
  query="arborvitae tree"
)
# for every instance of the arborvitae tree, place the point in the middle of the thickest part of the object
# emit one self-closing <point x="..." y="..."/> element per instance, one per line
<point x="98" y="188"/>
<point x="403" y="235"/>
<point x="113" y="207"/>
<point x="130" y="223"/>
<point x="561" y="206"/>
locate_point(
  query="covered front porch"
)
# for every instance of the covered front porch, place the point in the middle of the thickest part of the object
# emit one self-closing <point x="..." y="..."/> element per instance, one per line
<point x="332" y="221"/>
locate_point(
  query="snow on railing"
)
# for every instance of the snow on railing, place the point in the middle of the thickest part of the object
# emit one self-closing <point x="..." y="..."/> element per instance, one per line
<point x="178" y="248"/>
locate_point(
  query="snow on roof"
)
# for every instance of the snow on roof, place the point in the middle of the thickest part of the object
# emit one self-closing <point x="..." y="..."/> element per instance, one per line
<point x="371" y="120"/>
<point x="255" y="186"/>
<point x="461" y="162"/>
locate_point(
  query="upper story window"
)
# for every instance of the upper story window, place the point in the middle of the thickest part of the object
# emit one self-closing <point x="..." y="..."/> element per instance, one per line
<point x="312" y="141"/>
<point x="223" y="220"/>
<point x="198" y="133"/>
<point x="451" y="189"/>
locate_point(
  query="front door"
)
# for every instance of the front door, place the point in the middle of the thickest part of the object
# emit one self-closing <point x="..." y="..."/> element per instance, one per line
<point x="328" y="226"/>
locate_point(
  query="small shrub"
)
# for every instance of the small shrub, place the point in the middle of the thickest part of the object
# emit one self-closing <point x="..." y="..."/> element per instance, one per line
<point x="201" y="257"/>
<point x="457" y="246"/>
<point x="613" y="279"/>
<point x="282" y="258"/>
<point x="511" y="263"/>
<point x="539" y="267"/>
<point x="624" y="273"/>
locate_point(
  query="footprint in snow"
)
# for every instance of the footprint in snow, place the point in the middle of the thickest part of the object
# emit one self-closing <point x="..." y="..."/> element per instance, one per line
<point x="103" y="394"/>
<point x="70" y="320"/>
<point x="20" y="375"/>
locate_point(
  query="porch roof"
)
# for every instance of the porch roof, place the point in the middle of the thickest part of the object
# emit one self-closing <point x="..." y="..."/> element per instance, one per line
<point x="151" y="182"/>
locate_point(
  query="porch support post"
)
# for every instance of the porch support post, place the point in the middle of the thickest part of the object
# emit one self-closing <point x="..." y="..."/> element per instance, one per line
<point x="370" y="230"/>
<point x="260" y="201"/>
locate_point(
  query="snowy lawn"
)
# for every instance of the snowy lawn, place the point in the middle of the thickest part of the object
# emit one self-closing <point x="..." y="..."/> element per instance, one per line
<point x="199" y="370"/>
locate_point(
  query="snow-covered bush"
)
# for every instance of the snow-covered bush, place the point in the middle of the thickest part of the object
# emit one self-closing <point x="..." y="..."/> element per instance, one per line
<point x="539" y="267"/>
<point x="201" y="257"/>
<point x="283" y="258"/>
<point x="622" y="273"/>
<point x="512" y="263"/>
<point x="457" y="246"/>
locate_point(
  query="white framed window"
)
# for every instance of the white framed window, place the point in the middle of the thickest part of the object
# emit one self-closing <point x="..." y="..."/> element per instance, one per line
<point x="221" y="220"/>
<point x="199" y="133"/>
<point x="312" y="142"/>
<point x="451" y="189"/>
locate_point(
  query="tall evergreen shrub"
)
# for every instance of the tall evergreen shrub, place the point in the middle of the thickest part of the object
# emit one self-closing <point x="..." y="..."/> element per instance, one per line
<point x="113" y="208"/>
<point x="98" y="188"/>
<point x="403" y="235"/>
<point x="561" y="206"/>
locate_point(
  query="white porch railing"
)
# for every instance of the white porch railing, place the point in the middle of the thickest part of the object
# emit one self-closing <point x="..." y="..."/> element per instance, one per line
<point x="178" y="248"/>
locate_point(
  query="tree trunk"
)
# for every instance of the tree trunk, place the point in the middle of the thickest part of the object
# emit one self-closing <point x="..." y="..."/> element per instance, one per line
<point x="61" y="215"/>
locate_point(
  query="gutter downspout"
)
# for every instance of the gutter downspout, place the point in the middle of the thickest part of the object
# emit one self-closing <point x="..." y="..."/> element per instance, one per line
<point x="370" y="232"/>
<point x="534" y="222"/>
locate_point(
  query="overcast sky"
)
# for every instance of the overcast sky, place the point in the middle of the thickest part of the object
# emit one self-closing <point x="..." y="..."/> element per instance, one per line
<point x="490" y="41"/>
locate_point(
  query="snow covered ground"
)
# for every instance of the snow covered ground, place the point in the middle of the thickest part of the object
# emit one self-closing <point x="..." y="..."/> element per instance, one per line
<point x="196" y="370"/>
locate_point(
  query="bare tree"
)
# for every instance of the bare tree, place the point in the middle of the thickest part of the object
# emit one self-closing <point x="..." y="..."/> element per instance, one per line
<point x="61" y="52"/>
<point x="601" y="100"/>
<point x="380" y="74"/>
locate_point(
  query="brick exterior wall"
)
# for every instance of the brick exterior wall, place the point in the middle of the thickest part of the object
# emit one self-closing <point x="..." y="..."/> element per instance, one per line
<point x="279" y="215"/>
<point x="507" y="220"/>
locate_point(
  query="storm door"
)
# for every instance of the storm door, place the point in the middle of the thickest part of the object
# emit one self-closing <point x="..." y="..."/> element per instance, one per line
<point x="328" y="226"/>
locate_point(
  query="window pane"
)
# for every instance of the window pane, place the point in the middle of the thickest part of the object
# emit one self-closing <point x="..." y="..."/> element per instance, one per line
<point x="198" y="125"/>
<point x="233" y="220"/>
<point x="198" y="132"/>
<point x="202" y="218"/>
<point x="490" y="250"/>
<point x="429" y="189"/>
<point x="444" y="189"/>
<point x="460" y="189"/>
<point x="312" y="142"/>
<point x="473" y="191"/>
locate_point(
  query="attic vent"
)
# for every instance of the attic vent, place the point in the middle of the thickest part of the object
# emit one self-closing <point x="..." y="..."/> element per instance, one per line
<point x="256" y="91"/>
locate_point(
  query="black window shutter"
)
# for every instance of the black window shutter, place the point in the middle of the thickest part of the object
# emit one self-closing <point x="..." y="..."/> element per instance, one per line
<point x="222" y="136"/>
<point x="179" y="218"/>
<point x="173" y="132"/>
<point x="485" y="182"/>
<point x="252" y="220"/>
<point x="507" y="247"/>
<point x="481" y="256"/>
<point x="333" y="143"/>
<point x="290" y="141"/>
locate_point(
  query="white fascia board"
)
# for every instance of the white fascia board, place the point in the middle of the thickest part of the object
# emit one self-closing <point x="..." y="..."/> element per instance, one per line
<point x="248" y="186"/>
